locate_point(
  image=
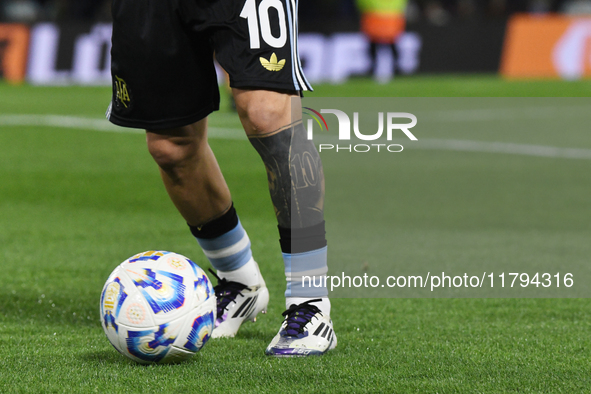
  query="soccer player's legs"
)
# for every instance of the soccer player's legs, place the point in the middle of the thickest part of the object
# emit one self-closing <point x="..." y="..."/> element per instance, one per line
<point x="197" y="187"/>
<point x="259" y="52"/>
<point x="164" y="81"/>
<point x="190" y="172"/>
<point x="280" y="141"/>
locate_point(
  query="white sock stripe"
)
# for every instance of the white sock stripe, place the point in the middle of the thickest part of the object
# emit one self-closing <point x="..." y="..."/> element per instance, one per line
<point x="297" y="276"/>
<point x="230" y="250"/>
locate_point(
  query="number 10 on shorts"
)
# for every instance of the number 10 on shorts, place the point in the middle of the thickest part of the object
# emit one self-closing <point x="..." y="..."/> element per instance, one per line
<point x="254" y="17"/>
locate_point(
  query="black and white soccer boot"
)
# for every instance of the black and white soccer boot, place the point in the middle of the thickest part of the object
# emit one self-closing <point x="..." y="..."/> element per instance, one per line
<point x="306" y="331"/>
<point x="237" y="303"/>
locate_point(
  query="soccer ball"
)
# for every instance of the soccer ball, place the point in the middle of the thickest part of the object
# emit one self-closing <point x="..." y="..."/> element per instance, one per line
<point x="158" y="307"/>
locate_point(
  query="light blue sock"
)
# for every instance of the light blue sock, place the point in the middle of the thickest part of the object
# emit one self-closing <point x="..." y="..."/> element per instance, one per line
<point x="229" y="251"/>
<point x="306" y="273"/>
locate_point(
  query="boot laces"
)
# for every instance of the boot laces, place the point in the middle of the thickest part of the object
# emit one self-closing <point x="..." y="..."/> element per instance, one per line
<point x="297" y="316"/>
<point x="226" y="292"/>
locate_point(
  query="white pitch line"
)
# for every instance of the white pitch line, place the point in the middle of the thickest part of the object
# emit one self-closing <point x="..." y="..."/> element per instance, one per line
<point x="502" y="147"/>
<point x="73" y="122"/>
<point x="97" y="124"/>
<point x="506" y="114"/>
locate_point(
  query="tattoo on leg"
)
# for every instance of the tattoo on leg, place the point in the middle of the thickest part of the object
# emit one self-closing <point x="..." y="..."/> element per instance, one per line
<point x="294" y="172"/>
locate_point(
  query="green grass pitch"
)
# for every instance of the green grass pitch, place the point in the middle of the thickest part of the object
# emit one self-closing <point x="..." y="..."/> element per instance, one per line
<point x="74" y="203"/>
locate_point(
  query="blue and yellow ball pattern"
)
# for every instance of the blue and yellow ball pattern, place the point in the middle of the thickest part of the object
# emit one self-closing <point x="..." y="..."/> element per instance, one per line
<point x="158" y="307"/>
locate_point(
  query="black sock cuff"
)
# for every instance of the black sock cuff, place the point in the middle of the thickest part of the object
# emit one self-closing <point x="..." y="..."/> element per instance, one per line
<point x="217" y="227"/>
<point x="300" y="240"/>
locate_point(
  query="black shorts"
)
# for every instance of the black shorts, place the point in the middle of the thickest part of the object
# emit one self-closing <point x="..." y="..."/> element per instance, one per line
<point x="163" y="50"/>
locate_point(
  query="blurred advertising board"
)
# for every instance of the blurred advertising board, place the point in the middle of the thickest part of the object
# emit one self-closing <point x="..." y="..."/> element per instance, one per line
<point x="552" y="46"/>
<point x="462" y="47"/>
<point x="423" y="48"/>
<point x="14" y="41"/>
<point x="66" y="54"/>
<point x="59" y="54"/>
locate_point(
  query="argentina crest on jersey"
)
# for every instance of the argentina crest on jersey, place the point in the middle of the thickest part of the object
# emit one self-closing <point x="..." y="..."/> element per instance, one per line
<point x="122" y="95"/>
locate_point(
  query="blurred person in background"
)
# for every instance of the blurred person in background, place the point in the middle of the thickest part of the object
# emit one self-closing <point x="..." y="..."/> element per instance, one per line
<point x="382" y="21"/>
